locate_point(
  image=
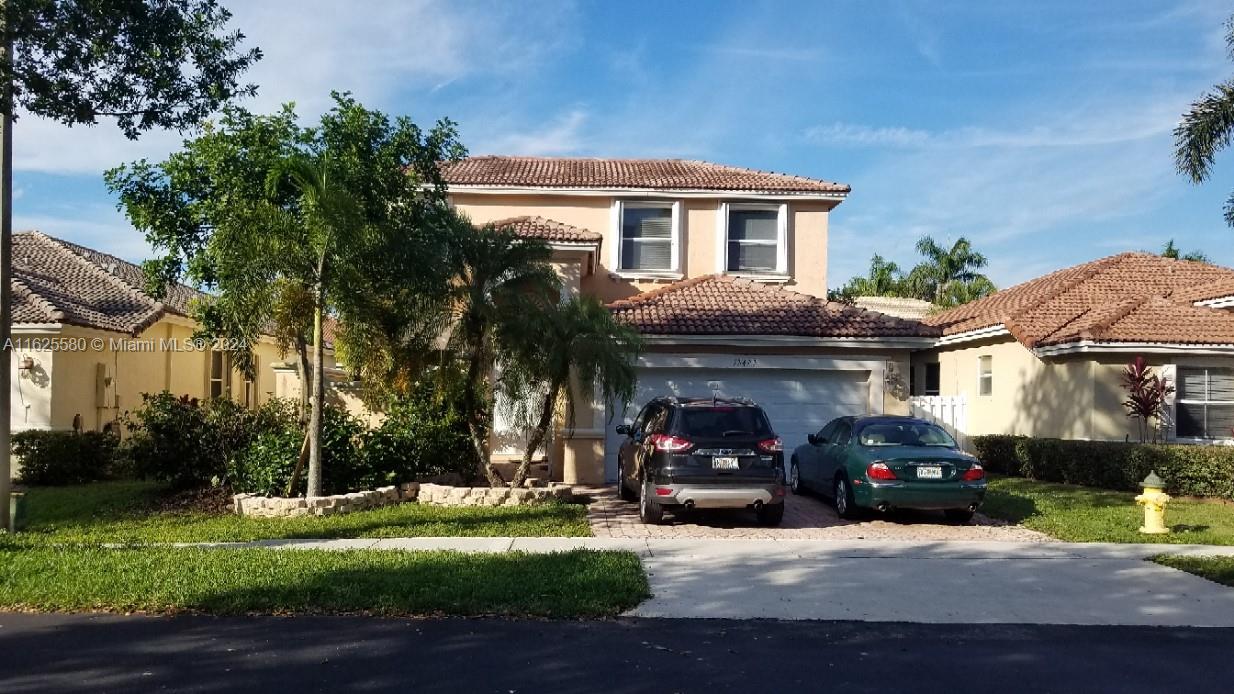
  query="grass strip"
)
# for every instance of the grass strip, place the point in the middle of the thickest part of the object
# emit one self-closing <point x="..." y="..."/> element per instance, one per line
<point x="1216" y="569"/>
<point x="580" y="583"/>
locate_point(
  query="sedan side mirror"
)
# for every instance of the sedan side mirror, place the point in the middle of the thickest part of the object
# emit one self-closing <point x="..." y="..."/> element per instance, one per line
<point x="623" y="429"/>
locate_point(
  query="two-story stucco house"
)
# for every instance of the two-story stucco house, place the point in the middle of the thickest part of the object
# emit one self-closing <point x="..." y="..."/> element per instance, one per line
<point x="721" y="268"/>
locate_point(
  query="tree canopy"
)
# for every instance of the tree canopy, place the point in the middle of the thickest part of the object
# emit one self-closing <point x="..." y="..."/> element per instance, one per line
<point x="1206" y="129"/>
<point x="946" y="277"/>
<point x="1172" y="251"/>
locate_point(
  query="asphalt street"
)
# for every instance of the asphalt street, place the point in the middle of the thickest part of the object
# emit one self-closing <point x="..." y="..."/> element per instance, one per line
<point x="112" y="653"/>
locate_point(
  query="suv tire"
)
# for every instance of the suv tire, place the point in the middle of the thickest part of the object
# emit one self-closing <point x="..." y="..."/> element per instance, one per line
<point x="650" y="512"/>
<point x="623" y="492"/>
<point x="846" y="506"/>
<point x="771" y="515"/>
<point x="794" y="478"/>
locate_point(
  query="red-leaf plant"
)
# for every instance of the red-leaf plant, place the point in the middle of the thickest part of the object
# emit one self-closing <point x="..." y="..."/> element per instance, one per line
<point x="1146" y="396"/>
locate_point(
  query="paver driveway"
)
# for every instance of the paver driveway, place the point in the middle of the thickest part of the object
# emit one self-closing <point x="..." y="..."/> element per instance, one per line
<point x="805" y="518"/>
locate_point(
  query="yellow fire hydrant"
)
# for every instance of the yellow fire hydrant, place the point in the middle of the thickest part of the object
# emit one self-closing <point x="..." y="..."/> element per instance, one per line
<point x="1153" y="500"/>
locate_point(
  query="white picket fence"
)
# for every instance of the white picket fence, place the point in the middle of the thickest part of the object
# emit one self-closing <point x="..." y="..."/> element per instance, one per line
<point x="948" y="411"/>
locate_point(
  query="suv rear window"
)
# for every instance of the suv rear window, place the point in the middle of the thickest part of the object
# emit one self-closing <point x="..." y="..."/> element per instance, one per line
<point x="720" y="421"/>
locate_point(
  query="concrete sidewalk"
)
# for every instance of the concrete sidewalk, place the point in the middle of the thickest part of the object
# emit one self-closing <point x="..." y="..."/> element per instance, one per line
<point x="924" y="582"/>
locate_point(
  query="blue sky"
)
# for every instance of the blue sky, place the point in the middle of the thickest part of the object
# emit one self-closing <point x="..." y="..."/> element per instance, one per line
<point x="1041" y="131"/>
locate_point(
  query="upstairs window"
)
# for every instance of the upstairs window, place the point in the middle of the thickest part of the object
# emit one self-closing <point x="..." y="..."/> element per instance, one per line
<point x="648" y="236"/>
<point x="218" y="375"/>
<point x="753" y="239"/>
<point x="985" y="375"/>
<point x="1205" y="403"/>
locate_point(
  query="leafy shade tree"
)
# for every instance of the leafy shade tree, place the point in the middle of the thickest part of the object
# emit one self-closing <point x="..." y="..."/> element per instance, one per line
<point x="883" y="279"/>
<point x="1206" y="128"/>
<point x="146" y="64"/>
<point x="557" y="342"/>
<point x="495" y="274"/>
<point x="1146" y="396"/>
<point x="284" y="224"/>
<point x="948" y="276"/>
<point x="1172" y="251"/>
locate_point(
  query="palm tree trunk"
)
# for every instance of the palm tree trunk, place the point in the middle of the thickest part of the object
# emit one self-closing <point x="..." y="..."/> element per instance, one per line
<point x="477" y="414"/>
<point x="317" y="401"/>
<point x="538" y="433"/>
<point x="303" y="370"/>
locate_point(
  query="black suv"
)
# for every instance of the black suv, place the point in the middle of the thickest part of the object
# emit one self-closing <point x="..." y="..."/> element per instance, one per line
<point x="685" y="453"/>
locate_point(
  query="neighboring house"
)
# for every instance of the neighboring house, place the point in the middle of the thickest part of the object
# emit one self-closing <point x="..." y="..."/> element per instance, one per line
<point x="1045" y="358"/>
<point x="88" y="341"/>
<point x="723" y="270"/>
<point x="898" y="306"/>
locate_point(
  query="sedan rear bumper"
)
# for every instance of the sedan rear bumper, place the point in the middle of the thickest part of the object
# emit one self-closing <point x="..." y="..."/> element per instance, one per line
<point x="719" y="496"/>
<point x="926" y="497"/>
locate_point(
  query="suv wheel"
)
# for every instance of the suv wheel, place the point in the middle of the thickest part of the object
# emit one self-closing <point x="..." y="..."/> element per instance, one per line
<point x="650" y="511"/>
<point x="771" y="515"/>
<point x="623" y="492"/>
<point x="845" y="506"/>
<point x="794" y="478"/>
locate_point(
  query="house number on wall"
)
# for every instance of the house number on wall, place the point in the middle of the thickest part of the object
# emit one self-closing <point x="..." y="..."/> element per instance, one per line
<point x="744" y="362"/>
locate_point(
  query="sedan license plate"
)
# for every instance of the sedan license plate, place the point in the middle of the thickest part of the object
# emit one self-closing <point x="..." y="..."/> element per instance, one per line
<point x="724" y="463"/>
<point x="929" y="472"/>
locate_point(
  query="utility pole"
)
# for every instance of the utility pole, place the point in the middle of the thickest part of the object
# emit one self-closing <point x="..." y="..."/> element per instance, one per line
<point x="6" y="269"/>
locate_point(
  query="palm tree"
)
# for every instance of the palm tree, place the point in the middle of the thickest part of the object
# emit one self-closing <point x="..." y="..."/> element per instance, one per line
<point x="330" y="220"/>
<point x="1172" y="251"/>
<point x="934" y="278"/>
<point x="495" y="273"/>
<point x="557" y="348"/>
<point x="883" y="279"/>
<point x="1206" y="129"/>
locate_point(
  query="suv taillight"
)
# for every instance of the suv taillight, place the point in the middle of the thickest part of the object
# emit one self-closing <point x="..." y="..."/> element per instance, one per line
<point x="879" y="471"/>
<point x="974" y="473"/>
<point x="669" y="444"/>
<point x="771" y="445"/>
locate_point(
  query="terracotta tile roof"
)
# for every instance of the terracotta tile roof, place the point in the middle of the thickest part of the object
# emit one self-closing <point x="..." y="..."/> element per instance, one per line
<point x="55" y="281"/>
<point x="1130" y="297"/>
<point x="654" y="174"/>
<point x="723" y="305"/>
<point x="548" y="230"/>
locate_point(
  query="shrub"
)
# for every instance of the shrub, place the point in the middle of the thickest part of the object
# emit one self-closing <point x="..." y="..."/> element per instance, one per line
<point x="420" y="437"/>
<point x="1188" y="470"/>
<point x="64" y="457"/>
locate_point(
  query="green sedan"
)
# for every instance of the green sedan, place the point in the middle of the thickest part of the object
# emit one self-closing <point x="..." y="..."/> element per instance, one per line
<point x="883" y="462"/>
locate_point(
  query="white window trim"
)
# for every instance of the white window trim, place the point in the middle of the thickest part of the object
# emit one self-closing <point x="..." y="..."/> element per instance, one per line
<point x="780" y="273"/>
<point x="224" y="379"/>
<point x="673" y="272"/>
<point x="1173" y="407"/>
<point x="980" y="375"/>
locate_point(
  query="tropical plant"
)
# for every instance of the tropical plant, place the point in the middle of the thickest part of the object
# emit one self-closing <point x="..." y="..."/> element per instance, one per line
<point x="291" y="227"/>
<point x="1146" y="397"/>
<point x="559" y="351"/>
<point x="1171" y="251"/>
<point x="936" y="278"/>
<point x="495" y="272"/>
<point x="1206" y="128"/>
<point x="164" y="64"/>
<point x="883" y="279"/>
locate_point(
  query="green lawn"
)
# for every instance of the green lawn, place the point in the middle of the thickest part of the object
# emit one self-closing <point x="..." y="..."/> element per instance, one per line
<point x="1087" y="514"/>
<point x="120" y="512"/>
<point x="1217" y="569"/>
<point x="235" y="581"/>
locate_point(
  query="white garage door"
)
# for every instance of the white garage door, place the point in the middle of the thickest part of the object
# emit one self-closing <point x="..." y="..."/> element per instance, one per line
<point x="798" y="401"/>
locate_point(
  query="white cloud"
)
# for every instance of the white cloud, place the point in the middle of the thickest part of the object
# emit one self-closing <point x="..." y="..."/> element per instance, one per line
<point x="854" y="134"/>
<point x="562" y="136"/>
<point x="313" y="46"/>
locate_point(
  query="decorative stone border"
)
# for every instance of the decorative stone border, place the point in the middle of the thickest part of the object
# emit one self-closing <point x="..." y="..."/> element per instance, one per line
<point x="281" y="507"/>
<point x="435" y="494"/>
<point x="442" y="495"/>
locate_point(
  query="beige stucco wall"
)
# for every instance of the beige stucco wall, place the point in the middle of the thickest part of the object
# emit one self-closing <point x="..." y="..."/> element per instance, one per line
<point x="64" y="383"/>
<point x="806" y="239"/>
<point x="1074" y="397"/>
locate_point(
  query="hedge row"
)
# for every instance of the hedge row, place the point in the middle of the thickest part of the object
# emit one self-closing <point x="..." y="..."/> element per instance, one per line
<point x="64" y="457"/>
<point x="1187" y="470"/>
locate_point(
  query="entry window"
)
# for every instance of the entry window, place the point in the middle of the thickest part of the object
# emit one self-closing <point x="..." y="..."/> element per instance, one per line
<point x="218" y="374"/>
<point x="933" y="379"/>
<point x="985" y="375"/>
<point x="648" y="236"/>
<point x="755" y="238"/>
<point x="1205" y="403"/>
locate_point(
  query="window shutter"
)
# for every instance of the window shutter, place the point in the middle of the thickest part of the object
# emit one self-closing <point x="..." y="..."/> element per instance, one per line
<point x="748" y="257"/>
<point x="1191" y="384"/>
<point x="753" y="225"/>
<point x="1221" y="385"/>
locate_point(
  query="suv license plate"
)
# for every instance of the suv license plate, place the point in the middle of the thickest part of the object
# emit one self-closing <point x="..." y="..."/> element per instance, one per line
<point x="930" y="472"/>
<point x="725" y="463"/>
